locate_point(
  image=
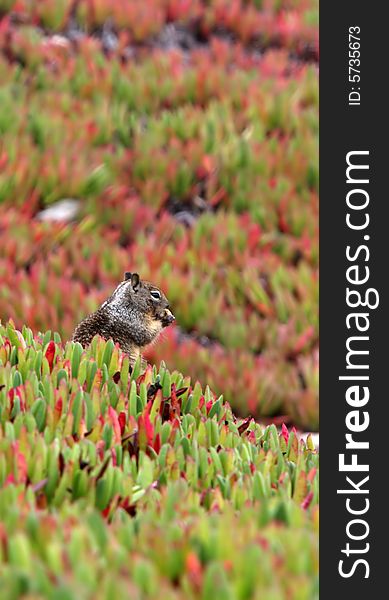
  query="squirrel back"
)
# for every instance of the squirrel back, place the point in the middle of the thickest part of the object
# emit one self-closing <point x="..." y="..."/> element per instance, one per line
<point x="133" y="316"/>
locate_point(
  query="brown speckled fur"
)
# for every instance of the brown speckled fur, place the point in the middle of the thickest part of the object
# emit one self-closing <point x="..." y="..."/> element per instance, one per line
<point x="131" y="317"/>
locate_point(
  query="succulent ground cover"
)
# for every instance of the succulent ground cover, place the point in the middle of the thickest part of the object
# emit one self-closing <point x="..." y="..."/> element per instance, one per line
<point x="187" y="131"/>
<point x="115" y="483"/>
<point x="257" y="23"/>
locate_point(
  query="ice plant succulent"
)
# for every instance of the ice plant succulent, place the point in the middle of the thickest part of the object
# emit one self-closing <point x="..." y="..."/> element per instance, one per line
<point x="230" y="197"/>
<point x="80" y="435"/>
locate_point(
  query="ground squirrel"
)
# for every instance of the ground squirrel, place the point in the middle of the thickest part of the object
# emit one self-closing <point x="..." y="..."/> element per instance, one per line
<point x="133" y="317"/>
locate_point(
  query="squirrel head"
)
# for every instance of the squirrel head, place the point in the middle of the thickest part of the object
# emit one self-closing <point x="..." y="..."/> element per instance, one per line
<point x="134" y="296"/>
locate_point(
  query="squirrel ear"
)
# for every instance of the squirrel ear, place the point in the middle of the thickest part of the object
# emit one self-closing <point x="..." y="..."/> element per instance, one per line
<point x="135" y="280"/>
<point x="127" y="275"/>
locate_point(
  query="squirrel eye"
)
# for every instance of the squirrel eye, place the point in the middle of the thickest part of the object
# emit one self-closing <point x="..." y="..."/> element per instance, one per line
<point x="155" y="295"/>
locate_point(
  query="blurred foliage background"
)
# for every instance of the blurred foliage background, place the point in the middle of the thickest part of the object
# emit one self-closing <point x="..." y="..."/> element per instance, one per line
<point x="183" y="136"/>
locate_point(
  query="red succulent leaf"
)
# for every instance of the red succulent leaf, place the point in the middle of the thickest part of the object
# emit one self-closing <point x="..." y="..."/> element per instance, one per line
<point x="285" y="433"/>
<point x="11" y="396"/>
<point x="50" y="353"/>
<point x="18" y="391"/>
<point x="251" y="437"/>
<point x="58" y="410"/>
<point x="175" y="403"/>
<point x="122" y="421"/>
<point x="175" y="424"/>
<point x="194" y="569"/>
<point x="157" y="443"/>
<point x="307" y="501"/>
